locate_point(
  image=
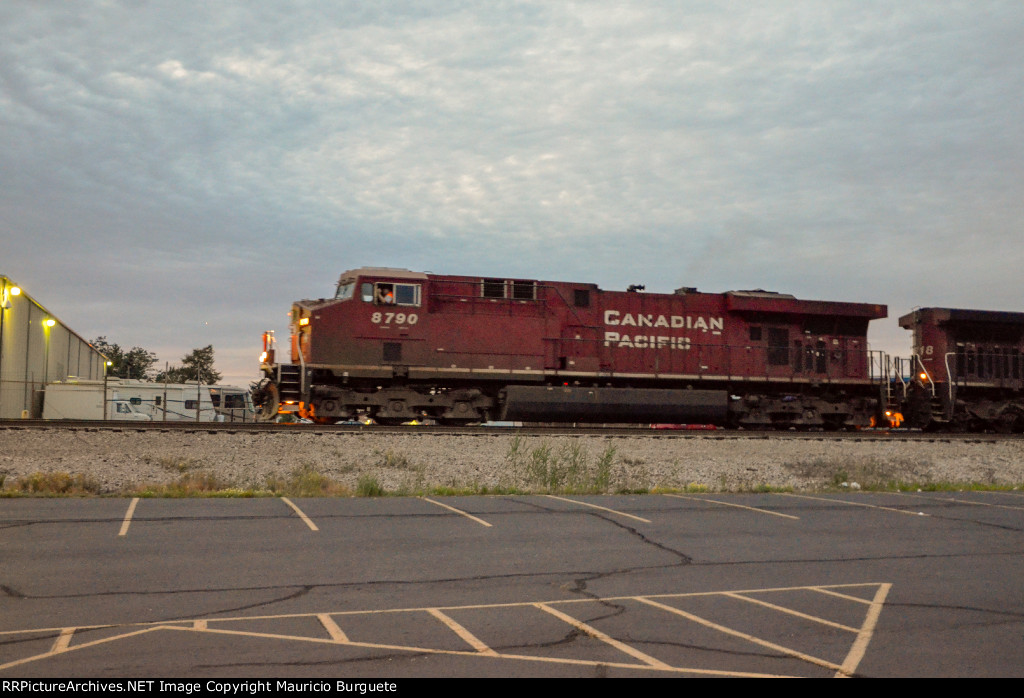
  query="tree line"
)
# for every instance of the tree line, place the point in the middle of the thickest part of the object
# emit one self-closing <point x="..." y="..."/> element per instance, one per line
<point x="137" y="362"/>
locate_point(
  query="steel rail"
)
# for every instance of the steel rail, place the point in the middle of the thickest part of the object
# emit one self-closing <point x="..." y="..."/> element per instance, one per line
<point x="549" y="430"/>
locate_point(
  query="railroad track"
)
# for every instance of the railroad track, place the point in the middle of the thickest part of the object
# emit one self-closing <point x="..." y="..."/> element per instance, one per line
<point x="561" y="430"/>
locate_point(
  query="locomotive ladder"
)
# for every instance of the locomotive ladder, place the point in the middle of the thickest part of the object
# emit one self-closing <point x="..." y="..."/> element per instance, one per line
<point x="289" y="382"/>
<point x="890" y="370"/>
<point x="935" y="403"/>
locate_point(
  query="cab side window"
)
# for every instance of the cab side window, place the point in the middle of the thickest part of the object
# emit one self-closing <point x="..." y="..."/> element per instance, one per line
<point x="396" y="294"/>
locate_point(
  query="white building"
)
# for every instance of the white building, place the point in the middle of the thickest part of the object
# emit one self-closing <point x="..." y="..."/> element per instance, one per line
<point x="36" y="348"/>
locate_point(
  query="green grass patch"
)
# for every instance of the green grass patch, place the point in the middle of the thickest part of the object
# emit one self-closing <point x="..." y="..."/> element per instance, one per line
<point x="899" y="486"/>
<point x="306" y="481"/>
<point x="198" y="484"/>
<point x="770" y="488"/>
<point x="368" y="486"/>
<point x="568" y="470"/>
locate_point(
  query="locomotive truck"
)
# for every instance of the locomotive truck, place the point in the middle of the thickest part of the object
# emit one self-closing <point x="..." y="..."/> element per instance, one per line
<point x="395" y="345"/>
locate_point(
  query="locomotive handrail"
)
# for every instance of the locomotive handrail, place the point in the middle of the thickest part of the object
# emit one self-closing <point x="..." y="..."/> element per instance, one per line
<point x="302" y="374"/>
<point x="949" y="376"/>
<point x="931" y="383"/>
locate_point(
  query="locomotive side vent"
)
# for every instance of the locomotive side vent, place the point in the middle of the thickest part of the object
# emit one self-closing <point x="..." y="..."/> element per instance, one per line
<point x="392" y="352"/>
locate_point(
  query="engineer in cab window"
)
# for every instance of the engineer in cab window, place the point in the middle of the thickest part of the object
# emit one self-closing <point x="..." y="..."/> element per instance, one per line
<point x="385" y="294"/>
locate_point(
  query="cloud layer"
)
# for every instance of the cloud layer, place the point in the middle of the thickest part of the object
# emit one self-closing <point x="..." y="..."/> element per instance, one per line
<point x="176" y="176"/>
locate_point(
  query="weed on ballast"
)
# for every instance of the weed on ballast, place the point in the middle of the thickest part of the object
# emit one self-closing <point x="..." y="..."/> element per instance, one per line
<point x="568" y="470"/>
<point x="900" y="486"/>
<point x="869" y="473"/>
<point x="306" y="481"/>
<point x="197" y="484"/>
<point x="179" y="465"/>
<point x="60" y="484"/>
<point x="369" y="486"/>
<point x="396" y="460"/>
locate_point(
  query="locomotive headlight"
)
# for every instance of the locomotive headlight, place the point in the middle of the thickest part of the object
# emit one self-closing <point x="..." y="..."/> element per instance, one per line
<point x="923" y="376"/>
<point x="263" y="357"/>
<point x="303" y="322"/>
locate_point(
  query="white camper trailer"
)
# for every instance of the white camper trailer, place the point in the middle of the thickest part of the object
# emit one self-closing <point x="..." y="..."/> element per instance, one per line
<point x="74" y="399"/>
<point x="233" y="404"/>
<point x="168" y="402"/>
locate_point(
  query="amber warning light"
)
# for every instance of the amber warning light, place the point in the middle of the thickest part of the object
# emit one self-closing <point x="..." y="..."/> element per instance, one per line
<point x="268" y="348"/>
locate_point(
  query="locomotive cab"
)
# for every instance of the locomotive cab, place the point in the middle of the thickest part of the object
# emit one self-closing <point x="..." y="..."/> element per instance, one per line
<point x="969" y="368"/>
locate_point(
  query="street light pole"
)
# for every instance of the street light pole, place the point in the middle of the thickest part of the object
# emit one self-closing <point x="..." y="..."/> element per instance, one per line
<point x="6" y="292"/>
<point x="105" y="365"/>
<point x="3" y="313"/>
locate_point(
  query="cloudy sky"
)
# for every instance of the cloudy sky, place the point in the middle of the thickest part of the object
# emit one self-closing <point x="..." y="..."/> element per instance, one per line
<point x="173" y="175"/>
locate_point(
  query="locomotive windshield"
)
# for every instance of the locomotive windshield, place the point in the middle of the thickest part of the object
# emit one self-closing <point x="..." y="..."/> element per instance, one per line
<point x="345" y="291"/>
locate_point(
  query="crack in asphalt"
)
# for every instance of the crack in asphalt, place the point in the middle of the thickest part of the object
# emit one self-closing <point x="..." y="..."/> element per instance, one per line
<point x="12" y="592"/>
<point x="1010" y="616"/>
<point x="580" y="577"/>
<point x="580" y="582"/>
<point x="303" y="591"/>
<point x="616" y="609"/>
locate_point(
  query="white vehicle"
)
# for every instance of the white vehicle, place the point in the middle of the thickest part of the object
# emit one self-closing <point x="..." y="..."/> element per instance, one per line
<point x="233" y="404"/>
<point x="86" y="400"/>
<point x="168" y="402"/>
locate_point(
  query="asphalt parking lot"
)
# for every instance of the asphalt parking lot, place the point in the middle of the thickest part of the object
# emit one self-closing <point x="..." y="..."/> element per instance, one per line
<point x="858" y="584"/>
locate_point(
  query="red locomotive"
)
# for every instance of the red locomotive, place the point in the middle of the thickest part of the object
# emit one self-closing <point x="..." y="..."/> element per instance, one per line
<point x="967" y="370"/>
<point x="396" y="345"/>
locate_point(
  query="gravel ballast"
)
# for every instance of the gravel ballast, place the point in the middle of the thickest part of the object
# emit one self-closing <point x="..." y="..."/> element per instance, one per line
<point x="120" y="462"/>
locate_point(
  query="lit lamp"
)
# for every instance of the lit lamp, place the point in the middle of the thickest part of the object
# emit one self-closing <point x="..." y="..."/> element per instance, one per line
<point x="47" y="323"/>
<point x="5" y="300"/>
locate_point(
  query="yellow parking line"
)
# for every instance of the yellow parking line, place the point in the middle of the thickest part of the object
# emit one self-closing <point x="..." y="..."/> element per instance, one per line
<point x="63" y="641"/>
<point x="457" y="511"/>
<point x="128" y="517"/>
<point x="848" y="597"/>
<point x="860" y="645"/>
<point x="732" y="504"/>
<point x="744" y="636"/>
<point x="84" y="645"/>
<point x="336" y="633"/>
<point x="855" y="504"/>
<point x="62" y="636"/>
<point x="312" y="526"/>
<point x="594" y="506"/>
<point x="790" y="611"/>
<point x="457" y="628"/>
<point x="827" y="589"/>
<point x="465" y="653"/>
<point x="594" y="632"/>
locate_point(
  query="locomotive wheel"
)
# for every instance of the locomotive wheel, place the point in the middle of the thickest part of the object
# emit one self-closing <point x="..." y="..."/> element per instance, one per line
<point x="271" y="401"/>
